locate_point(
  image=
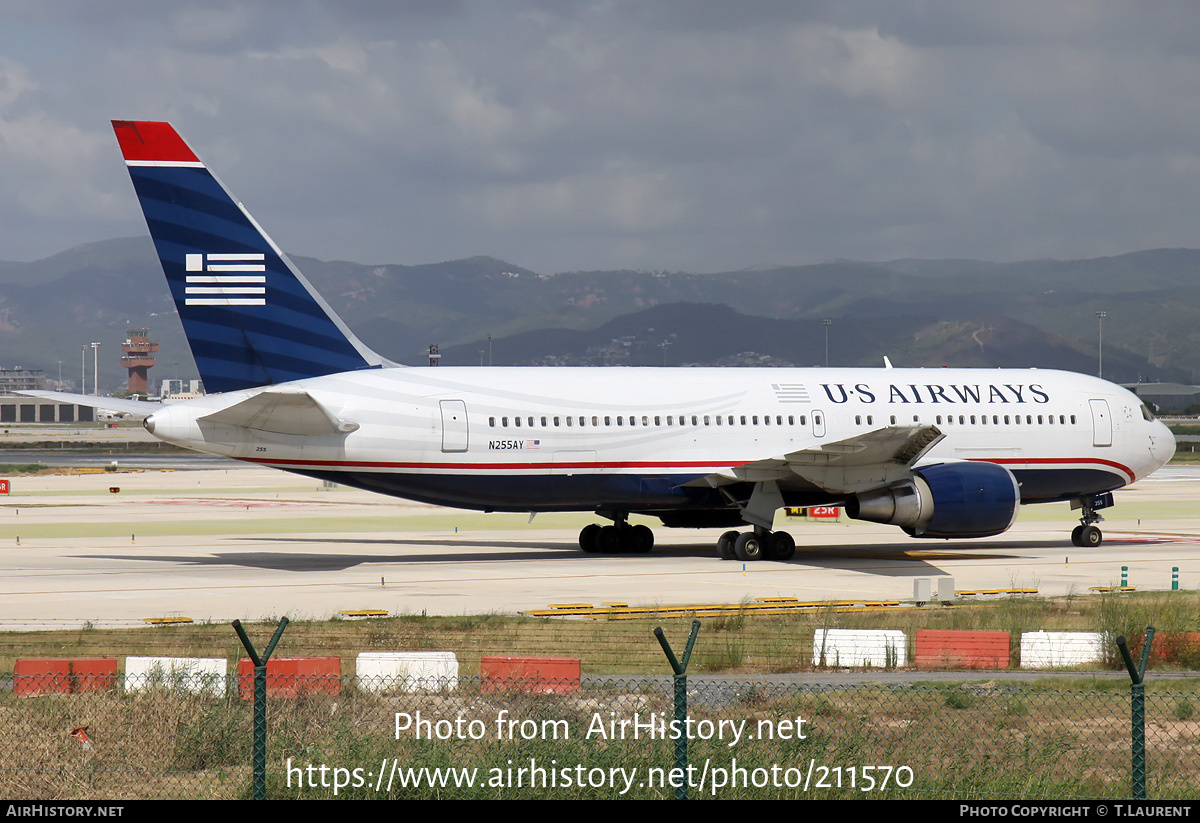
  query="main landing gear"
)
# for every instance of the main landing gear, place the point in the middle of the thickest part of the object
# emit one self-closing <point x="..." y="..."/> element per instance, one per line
<point x="619" y="538"/>
<point x="760" y="544"/>
<point x="1085" y="534"/>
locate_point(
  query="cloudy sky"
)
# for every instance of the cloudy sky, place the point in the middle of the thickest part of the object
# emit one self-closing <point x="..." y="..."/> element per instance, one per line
<point x="699" y="135"/>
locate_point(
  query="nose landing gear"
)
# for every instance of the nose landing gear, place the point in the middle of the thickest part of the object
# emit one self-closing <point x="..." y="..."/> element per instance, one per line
<point x="1086" y="534"/>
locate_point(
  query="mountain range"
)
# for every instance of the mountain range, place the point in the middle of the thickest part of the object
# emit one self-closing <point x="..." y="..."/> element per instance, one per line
<point x="917" y="312"/>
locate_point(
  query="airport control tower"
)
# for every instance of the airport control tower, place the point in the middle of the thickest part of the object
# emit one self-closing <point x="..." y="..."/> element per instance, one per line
<point x="138" y="357"/>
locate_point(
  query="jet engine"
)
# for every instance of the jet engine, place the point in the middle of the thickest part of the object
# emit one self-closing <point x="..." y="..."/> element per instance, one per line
<point x="950" y="500"/>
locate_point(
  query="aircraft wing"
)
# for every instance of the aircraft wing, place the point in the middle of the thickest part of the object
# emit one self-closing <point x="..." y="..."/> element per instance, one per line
<point x="141" y="408"/>
<point x="283" y="412"/>
<point x="856" y="464"/>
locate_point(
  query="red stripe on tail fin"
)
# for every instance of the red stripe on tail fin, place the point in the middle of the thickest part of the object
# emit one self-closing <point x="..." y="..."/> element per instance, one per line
<point x="155" y="142"/>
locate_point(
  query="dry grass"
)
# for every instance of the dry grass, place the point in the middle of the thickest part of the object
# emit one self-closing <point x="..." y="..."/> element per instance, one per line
<point x="741" y="644"/>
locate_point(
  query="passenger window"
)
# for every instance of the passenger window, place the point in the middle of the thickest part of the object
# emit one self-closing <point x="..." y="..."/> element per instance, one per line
<point x="858" y="419"/>
<point x="517" y="422"/>
<point x="504" y="422"/>
<point x="556" y="421"/>
<point x="893" y="418"/>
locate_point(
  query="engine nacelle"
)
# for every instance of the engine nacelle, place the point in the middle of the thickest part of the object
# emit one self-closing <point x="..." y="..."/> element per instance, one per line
<point x="973" y="499"/>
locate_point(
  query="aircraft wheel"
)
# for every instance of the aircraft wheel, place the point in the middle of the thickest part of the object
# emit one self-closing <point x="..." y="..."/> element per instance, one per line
<point x="1077" y="536"/>
<point x="587" y="538"/>
<point x="640" y="539"/>
<point x="608" y="540"/>
<point x="782" y="545"/>
<point x="725" y="545"/>
<point x="1091" y="537"/>
<point x="748" y="546"/>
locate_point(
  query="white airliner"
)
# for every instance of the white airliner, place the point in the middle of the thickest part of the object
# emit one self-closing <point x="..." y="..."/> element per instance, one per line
<point x="941" y="453"/>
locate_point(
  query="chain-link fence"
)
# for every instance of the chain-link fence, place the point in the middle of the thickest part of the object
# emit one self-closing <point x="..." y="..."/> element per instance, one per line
<point x="178" y="738"/>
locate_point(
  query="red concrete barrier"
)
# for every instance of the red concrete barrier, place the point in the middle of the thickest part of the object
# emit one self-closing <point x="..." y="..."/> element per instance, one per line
<point x="953" y="649"/>
<point x="71" y="675"/>
<point x="1181" y="649"/>
<point x="542" y="675"/>
<point x="293" y="676"/>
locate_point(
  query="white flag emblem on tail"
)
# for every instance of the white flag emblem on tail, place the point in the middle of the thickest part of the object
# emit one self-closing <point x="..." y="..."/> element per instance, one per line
<point x="227" y="280"/>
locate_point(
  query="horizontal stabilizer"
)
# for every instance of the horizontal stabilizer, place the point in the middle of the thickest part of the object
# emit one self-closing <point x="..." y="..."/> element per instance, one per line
<point x="282" y="412"/>
<point x="141" y="408"/>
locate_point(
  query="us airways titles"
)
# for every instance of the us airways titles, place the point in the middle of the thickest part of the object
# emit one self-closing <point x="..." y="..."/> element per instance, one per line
<point x="937" y="393"/>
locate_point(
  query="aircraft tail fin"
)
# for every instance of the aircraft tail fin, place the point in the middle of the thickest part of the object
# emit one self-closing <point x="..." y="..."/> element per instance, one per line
<point x="251" y="318"/>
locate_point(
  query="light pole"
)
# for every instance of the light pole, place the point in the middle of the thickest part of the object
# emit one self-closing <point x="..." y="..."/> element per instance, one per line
<point x="826" y="324"/>
<point x="489" y="349"/>
<point x="96" y="368"/>
<point x="83" y="369"/>
<point x="1100" y="315"/>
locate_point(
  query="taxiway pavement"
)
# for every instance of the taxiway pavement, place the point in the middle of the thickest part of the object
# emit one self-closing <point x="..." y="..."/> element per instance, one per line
<point x="219" y="544"/>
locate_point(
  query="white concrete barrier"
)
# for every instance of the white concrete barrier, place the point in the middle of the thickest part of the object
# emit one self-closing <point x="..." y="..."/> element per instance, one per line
<point x="407" y="671"/>
<point x="200" y="675"/>
<point x="860" y="647"/>
<point x="1048" y="650"/>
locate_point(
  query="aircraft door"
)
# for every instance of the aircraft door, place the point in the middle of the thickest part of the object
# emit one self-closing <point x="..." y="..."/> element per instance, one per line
<point x="818" y="423"/>
<point x="1101" y="423"/>
<point x="454" y="426"/>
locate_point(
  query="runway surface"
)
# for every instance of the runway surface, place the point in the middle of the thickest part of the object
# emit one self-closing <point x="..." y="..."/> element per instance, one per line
<point x="219" y="544"/>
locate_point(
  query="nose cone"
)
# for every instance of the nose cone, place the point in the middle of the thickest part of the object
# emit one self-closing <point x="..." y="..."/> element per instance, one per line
<point x="1162" y="443"/>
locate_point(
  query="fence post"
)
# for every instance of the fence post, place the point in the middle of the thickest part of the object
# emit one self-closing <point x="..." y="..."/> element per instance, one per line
<point x="260" y="703"/>
<point x="1137" y="710"/>
<point x="680" y="683"/>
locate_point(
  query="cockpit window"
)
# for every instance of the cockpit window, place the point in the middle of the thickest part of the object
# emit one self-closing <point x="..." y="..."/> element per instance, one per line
<point x="1147" y="415"/>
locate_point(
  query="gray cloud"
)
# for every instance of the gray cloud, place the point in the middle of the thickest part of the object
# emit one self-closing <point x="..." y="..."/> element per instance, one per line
<point x="678" y="135"/>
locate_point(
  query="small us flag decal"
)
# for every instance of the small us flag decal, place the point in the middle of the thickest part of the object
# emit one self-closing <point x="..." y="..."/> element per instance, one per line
<point x="225" y="280"/>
